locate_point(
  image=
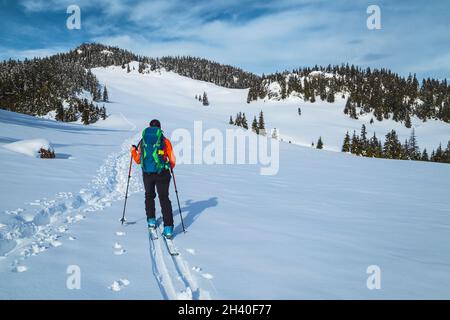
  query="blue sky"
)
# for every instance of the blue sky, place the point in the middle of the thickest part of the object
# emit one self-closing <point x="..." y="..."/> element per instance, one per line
<point x="258" y="36"/>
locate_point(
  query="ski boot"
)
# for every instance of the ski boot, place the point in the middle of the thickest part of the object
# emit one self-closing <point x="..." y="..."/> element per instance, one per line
<point x="151" y="222"/>
<point x="168" y="232"/>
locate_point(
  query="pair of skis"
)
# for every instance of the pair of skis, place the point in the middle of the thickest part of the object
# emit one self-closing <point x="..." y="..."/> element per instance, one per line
<point x="170" y="245"/>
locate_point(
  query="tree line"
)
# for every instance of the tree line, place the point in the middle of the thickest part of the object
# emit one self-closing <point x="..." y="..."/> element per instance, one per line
<point x="40" y="85"/>
<point x="258" y="124"/>
<point x="379" y="91"/>
<point x="392" y="147"/>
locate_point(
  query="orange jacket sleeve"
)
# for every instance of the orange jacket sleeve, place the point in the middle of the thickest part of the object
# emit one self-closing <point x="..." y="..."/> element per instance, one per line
<point x="169" y="151"/>
<point x="136" y="154"/>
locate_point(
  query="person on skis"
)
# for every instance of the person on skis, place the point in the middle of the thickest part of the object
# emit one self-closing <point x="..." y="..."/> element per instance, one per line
<point x="155" y="155"/>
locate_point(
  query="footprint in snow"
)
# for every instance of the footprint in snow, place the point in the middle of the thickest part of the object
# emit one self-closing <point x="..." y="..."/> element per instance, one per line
<point x="119" y="252"/>
<point x="19" y="268"/>
<point x="197" y="269"/>
<point x="119" y="285"/>
<point x="72" y="238"/>
<point x="208" y="276"/>
<point x="62" y="229"/>
<point x="118" y="249"/>
<point x="56" y="243"/>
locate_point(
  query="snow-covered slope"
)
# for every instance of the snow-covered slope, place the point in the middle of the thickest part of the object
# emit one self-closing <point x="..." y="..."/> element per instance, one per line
<point x="310" y="231"/>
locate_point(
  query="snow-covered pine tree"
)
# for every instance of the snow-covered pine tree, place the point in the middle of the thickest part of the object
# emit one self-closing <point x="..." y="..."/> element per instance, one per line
<point x="103" y="113"/>
<point x="238" y="119"/>
<point x="363" y="140"/>
<point x="205" y="100"/>
<point x="85" y="116"/>
<point x="413" y="148"/>
<point x="408" y="121"/>
<point x="346" y="144"/>
<point x="255" y="126"/>
<point x="60" y="116"/>
<point x="424" y="156"/>
<point x="261" y="124"/>
<point x="244" y="121"/>
<point x="105" y="95"/>
<point x="355" y="145"/>
<point x="392" y="147"/>
<point x="319" y="143"/>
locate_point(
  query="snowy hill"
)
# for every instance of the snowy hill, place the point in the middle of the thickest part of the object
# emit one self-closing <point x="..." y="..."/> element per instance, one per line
<point x="310" y="231"/>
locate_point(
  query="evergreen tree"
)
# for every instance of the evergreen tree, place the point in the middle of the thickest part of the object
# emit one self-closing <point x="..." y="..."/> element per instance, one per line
<point x="438" y="155"/>
<point x="405" y="151"/>
<point x="98" y="94"/>
<point x="231" y="121"/>
<point x="319" y="143"/>
<point x="330" y="96"/>
<point x="244" y="121"/>
<point x="255" y="126"/>
<point x="142" y="67"/>
<point x="261" y="124"/>
<point x="238" y="119"/>
<point x="373" y="148"/>
<point x="205" y="99"/>
<point x="299" y="111"/>
<point x="446" y="157"/>
<point x="103" y="113"/>
<point x="424" y="156"/>
<point x="363" y="140"/>
<point x="60" y="116"/>
<point x="128" y="68"/>
<point x="413" y="148"/>
<point x="105" y="95"/>
<point x="348" y="106"/>
<point x="408" y="121"/>
<point x="85" y="116"/>
<point x="392" y="147"/>
<point x="355" y="144"/>
<point x="346" y="146"/>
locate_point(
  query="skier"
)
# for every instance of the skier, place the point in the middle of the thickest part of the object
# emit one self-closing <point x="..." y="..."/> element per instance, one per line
<point x="155" y="155"/>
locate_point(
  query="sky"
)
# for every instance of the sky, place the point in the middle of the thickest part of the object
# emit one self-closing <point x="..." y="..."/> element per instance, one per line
<point x="256" y="35"/>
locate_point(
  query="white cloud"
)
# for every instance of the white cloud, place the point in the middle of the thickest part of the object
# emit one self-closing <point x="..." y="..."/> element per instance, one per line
<point x="31" y="53"/>
<point x="264" y="36"/>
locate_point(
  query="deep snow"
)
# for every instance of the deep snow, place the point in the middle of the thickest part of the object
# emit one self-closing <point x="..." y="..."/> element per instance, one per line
<point x="310" y="231"/>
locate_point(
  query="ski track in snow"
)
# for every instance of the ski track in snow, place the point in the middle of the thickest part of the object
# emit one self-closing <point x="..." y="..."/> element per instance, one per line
<point x="31" y="233"/>
<point x="174" y="277"/>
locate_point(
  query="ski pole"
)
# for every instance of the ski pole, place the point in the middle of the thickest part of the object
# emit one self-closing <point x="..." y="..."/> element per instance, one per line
<point x="126" y="193"/>
<point x="178" y="199"/>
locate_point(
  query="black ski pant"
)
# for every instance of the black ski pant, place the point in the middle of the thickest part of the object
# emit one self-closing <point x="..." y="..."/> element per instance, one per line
<point x="162" y="182"/>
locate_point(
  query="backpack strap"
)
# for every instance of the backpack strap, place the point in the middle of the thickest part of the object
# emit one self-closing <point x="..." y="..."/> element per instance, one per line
<point x="143" y="149"/>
